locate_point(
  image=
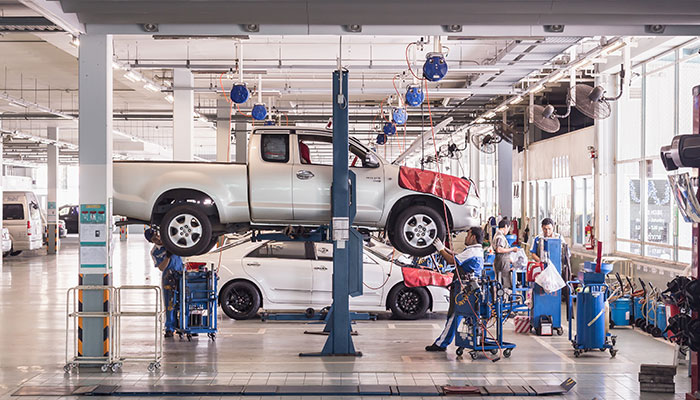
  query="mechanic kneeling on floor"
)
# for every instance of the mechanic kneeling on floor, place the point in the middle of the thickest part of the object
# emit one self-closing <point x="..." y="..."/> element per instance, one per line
<point x="469" y="264"/>
<point x="171" y="266"/>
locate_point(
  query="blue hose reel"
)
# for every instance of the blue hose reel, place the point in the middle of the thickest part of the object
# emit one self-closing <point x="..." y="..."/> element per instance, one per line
<point x="240" y="93"/>
<point x="259" y="112"/>
<point x="399" y="116"/>
<point x="435" y="67"/>
<point x="389" y="129"/>
<point x="381" y="138"/>
<point x="414" y="95"/>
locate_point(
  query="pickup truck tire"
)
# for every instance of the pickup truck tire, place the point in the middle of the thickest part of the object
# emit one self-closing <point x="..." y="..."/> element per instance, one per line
<point x="186" y="230"/>
<point x="240" y="300"/>
<point x="408" y="303"/>
<point x="414" y="230"/>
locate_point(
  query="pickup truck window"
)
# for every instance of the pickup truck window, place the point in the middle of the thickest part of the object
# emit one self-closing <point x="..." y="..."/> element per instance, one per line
<point x="288" y="250"/>
<point x="275" y="148"/>
<point x="318" y="150"/>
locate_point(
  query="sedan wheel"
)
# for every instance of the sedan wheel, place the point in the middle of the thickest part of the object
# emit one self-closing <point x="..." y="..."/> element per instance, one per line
<point x="240" y="300"/>
<point x="408" y="303"/>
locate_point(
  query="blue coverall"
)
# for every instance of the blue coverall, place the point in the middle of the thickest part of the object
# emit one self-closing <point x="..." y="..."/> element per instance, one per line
<point x="169" y="280"/>
<point x="471" y="260"/>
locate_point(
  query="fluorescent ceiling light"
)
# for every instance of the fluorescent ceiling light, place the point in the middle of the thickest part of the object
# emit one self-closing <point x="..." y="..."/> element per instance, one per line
<point x="501" y="108"/>
<point x="581" y="64"/>
<point x="516" y="100"/>
<point x="15" y="104"/>
<point x="169" y="98"/>
<point x="479" y="120"/>
<point x="612" y="48"/>
<point x="133" y="76"/>
<point x="116" y="65"/>
<point x="151" y="87"/>
<point x="490" y="114"/>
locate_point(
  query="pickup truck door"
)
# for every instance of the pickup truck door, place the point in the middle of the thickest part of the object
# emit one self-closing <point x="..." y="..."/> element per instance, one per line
<point x="270" y="177"/>
<point x="283" y="270"/>
<point x="313" y="175"/>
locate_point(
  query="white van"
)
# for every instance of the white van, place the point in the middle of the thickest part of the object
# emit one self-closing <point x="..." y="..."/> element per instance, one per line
<point x="22" y="217"/>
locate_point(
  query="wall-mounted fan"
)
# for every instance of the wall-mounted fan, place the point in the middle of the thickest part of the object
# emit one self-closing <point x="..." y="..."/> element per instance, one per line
<point x="545" y="118"/>
<point x="486" y="142"/>
<point x="591" y="101"/>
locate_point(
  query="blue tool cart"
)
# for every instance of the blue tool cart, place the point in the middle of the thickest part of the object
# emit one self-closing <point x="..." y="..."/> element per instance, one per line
<point x="546" y="307"/>
<point x="198" y="301"/>
<point x="483" y="306"/>
<point x="591" y="332"/>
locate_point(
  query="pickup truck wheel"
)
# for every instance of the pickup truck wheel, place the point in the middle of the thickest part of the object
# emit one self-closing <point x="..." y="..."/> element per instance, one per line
<point x="186" y="231"/>
<point x="414" y="230"/>
<point x="240" y="300"/>
<point x="408" y="303"/>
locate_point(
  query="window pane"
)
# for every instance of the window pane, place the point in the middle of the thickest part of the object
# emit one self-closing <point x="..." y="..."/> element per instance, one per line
<point x="627" y="247"/>
<point x="664" y="253"/>
<point x="684" y="256"/>
<point x="689" y="77"/>
<point x="579" y="209"/>
<point x="293" y="250"/>
<point x="659" y="220"/>
<point x="561" y="206"/>
<point x="629" y="140"/>
<point x="12" y="212"/>
<point x="629" y="207"/>
<point x="275" y="148"/>
<point x="660" y="98"/>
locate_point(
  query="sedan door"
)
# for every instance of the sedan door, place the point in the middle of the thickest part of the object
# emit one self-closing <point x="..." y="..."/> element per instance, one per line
<point x="283" y="270"/>
<point x="322" y="294"/>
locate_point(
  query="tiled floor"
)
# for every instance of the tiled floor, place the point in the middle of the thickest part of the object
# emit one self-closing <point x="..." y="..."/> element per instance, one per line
<point x="32" y="337"/>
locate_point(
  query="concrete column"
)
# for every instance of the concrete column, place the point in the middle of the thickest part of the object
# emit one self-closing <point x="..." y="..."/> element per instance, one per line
<point x="51" y="208"/>
<point x="505" y="179"/>
<point x="241" y="132"/>
<point x="604" y="173"/>
<point x="95" y="160"/>
<point x="223" y="130"/>
<point x="183" y="114"/>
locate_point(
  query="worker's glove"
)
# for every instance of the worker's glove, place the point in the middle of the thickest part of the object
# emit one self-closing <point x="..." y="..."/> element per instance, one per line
<point x="438" y="245"/>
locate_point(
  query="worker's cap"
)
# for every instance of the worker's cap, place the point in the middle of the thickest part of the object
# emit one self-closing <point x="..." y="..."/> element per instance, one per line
<point x="149" y="233"/>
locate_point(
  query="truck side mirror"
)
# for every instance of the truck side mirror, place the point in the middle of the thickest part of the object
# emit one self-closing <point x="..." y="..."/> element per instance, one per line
<point x="371" y="161"/>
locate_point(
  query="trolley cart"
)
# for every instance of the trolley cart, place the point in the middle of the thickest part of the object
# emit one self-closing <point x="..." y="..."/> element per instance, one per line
<point x="482" y="306"/>
<point x="198" y="301"/>
<point x="157" y="313"/>
<point x="78" y="317"/>
<point x="546" y="306"/>
<point x="590" y="316"/>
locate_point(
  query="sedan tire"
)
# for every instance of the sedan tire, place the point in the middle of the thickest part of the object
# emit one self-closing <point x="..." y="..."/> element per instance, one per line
<point x="240" y="300"/>
<point x="408" y="303"/>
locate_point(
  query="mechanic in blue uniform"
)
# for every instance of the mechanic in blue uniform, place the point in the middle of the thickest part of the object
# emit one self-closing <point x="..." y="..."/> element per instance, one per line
<point x="469" y="264"/>
<point x="547" y="233"/>
<point x="171" y="266"/>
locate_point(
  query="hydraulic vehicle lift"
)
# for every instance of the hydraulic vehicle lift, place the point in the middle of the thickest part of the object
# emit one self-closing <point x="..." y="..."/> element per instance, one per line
<point x="347" y="241"/>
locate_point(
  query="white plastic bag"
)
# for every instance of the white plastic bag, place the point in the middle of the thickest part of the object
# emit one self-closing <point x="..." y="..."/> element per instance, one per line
<point x="550" y="279"/>
<point x="519" y="260"/>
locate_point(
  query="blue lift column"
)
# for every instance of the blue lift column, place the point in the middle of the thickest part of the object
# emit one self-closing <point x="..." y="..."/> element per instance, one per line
<point x="347" y="242"/>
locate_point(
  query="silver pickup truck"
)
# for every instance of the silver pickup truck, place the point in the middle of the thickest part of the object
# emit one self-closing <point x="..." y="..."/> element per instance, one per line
<point x="287" y="182"/>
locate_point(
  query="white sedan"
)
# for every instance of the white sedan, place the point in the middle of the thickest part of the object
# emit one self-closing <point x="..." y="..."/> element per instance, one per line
<point x="294" y="276"/>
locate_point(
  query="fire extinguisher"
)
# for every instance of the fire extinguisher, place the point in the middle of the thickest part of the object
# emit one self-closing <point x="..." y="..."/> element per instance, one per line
<point x="590" y="238"/>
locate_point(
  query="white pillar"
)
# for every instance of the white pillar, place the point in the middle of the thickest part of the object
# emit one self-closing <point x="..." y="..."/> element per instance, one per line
<point x="223" y="130"/>
<point x="505" y="179"/>
<point x="53" y="244"/>
<point x="183" y="110"/>
<point x="604" y="173"/>
<point x="95" y="160"/>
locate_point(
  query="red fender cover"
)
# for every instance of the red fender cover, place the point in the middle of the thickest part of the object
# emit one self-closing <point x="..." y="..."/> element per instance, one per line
<point x="419" y="277"/>
<point x="447" y="187"/>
